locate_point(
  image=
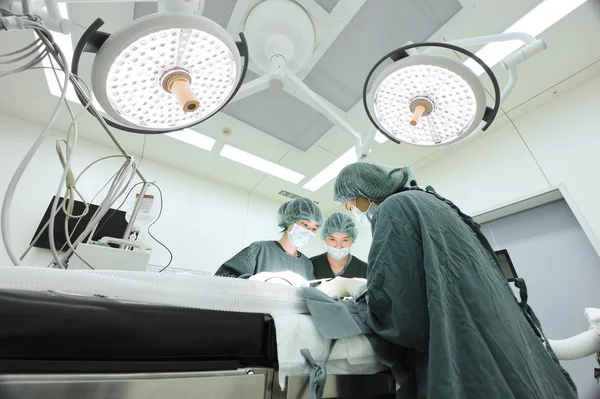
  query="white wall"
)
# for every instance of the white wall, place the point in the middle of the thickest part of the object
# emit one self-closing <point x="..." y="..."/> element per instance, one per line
<point x="490" y="171"/>
<point x="361" y="246"/>
<point x="203" y="222"/>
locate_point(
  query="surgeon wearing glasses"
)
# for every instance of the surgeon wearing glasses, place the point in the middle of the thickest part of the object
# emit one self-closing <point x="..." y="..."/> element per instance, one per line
<point x="445" y="319"/>
<point x="299" y="219"/>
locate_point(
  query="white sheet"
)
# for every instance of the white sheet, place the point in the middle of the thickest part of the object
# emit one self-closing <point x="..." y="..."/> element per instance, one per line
<point x="352" y="355"/>
<point x="295" y="329"/>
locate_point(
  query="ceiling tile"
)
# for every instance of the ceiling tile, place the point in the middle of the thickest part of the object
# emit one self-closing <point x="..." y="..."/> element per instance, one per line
<point x="216" y="10"/>
<point x="282" y="116"/>
<point x="335" y="141"/>
<point x="219" y="11"/>
<point x="115" y="15"/>
<point x="328" y="5"/>
<point x="143" y="8"/>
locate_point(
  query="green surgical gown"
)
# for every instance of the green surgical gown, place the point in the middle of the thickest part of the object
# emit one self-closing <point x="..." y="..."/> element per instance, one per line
<point x="354" y="268"/>
<point x="447" y="322"/>
<point x="266" y="256"/>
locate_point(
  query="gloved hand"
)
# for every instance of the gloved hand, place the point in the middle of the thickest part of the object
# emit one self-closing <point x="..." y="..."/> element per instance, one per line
<point x="284" y="278"/>
<point x="344" y="287"/>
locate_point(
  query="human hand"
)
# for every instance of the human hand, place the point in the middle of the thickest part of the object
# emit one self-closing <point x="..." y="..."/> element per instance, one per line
<point x="344" y="287"/>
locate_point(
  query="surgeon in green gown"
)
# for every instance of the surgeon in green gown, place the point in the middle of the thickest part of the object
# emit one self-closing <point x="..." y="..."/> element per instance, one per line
<point x="339" y="233"/>
<point x="299" y="220"/>
<point x="446" y="321"/>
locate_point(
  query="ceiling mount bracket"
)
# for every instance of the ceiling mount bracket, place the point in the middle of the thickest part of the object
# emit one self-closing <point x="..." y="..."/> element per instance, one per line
<point x="279" y="28"/>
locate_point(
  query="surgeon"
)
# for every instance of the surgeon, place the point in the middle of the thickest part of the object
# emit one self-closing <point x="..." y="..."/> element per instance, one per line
<point x="444" y="318"/>
<point x="339" y="233"/>
<point x="299" y="219"/>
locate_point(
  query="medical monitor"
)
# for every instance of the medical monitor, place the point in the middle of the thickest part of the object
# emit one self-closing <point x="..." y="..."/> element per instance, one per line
<point x="506" y="265"/>
<point x="113" y="224"/>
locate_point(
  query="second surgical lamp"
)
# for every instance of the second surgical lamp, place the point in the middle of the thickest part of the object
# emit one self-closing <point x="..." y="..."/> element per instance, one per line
<point x="434" y="100"/>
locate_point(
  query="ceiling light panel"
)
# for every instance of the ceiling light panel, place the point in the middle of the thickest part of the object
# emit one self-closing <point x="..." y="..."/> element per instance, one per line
<point x="331" y="171"/>
<point x="534" y="22"/>
<point x="260" y="164"/>
<point x="193" y="138"/>
<point x="66" y="45"/>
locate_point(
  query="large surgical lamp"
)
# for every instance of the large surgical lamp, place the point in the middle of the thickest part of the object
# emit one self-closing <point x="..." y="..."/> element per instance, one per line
<point x="164" y="72"/>
<point x="428" y="99"/>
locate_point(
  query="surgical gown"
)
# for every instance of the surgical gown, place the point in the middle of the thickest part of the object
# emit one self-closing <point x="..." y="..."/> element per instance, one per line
<point x="266" y="256"/>
<point x="447" y="322"/>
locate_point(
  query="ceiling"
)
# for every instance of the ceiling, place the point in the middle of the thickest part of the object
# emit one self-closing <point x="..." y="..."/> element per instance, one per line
<point x="338" y="75"/>
<point x="568" y="63"/>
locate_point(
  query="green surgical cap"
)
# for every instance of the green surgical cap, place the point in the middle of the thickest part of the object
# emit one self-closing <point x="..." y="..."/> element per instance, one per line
<point x="339" y="223"/>
<point x="371" y="181"/>
<point x="296" y="210"/>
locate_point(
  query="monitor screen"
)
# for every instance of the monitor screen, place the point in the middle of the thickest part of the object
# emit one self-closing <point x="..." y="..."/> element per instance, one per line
<point x="113" y="224"/>
<point x="506" y="265"/>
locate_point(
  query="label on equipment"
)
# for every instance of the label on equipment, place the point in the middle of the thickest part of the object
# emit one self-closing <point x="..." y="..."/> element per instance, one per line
<point x="146" y="205"/>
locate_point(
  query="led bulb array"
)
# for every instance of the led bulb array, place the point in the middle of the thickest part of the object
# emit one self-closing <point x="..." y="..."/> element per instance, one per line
<point x="134" y="83"/>
<point x="454" y="104"/>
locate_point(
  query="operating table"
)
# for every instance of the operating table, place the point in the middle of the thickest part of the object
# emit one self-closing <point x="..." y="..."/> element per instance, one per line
<point x="55" y="345"/>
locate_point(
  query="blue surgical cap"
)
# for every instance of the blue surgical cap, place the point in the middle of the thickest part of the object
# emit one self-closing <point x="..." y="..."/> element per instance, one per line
<point x="374" y="182"/>
<point x="339" y="223"/>
<point x="296" y="210"/>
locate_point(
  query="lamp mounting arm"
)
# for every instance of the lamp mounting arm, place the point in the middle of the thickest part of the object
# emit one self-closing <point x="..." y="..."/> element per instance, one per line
<point x="184" y="6"/>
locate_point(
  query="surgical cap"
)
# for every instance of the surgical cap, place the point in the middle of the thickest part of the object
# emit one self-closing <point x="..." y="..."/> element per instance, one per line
<point x="296" y="210"/>
<point x="339" y="223"/>
<point x="371" y="181"/>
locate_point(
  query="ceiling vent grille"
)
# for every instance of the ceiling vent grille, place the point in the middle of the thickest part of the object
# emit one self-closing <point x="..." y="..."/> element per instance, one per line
<point x="293" y="196"/>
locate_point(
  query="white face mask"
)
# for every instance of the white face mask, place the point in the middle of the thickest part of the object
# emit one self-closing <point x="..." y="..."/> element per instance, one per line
<point x="365" y="217"/>
<point x="361" y="217"/>
<point x="300" y="236"/>
<point x="338" y="253"/>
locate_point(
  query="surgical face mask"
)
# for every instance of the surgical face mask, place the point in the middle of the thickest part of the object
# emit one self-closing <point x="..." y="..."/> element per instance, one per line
<point x="338" y="253"/>
<point x="299" y="236"/>
<point x="365" y="217"/>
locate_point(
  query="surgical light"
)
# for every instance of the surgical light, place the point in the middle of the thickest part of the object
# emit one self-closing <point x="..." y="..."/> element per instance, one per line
<point x="163" y="73"/>
<point x="434" y="100"/>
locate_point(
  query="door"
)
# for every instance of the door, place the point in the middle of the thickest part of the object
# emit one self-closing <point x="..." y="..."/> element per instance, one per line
<point x="552" y="253"/>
